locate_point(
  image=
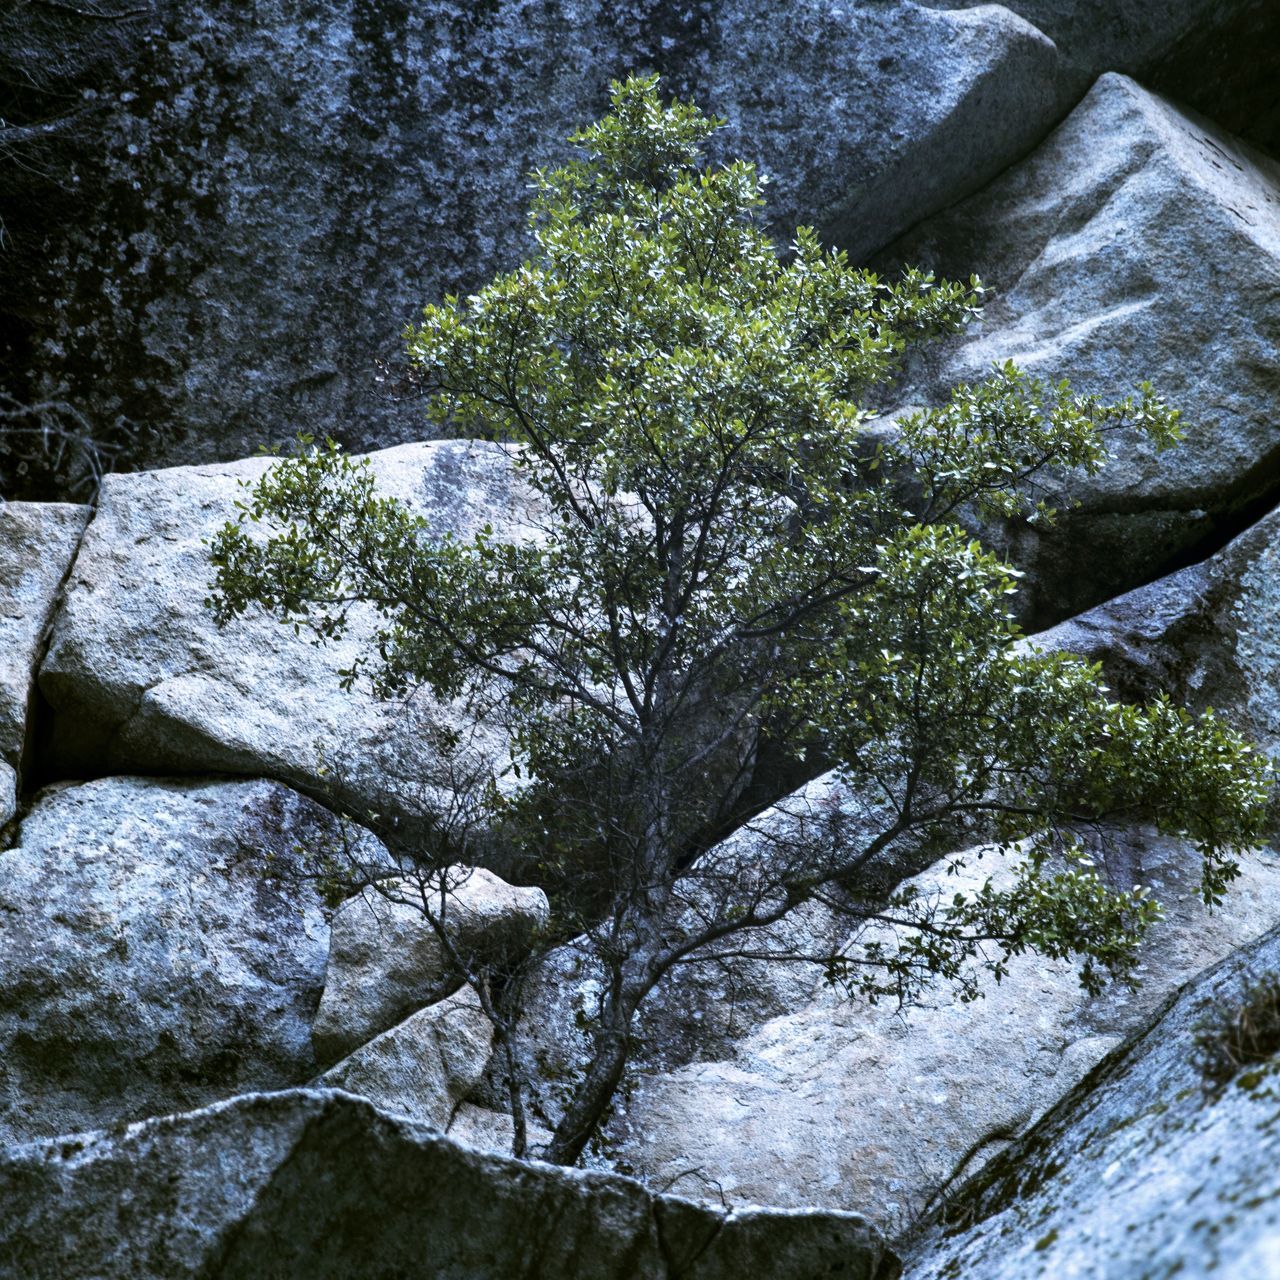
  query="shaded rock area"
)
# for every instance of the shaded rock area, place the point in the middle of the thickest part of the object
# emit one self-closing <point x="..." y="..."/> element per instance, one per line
<point x="219" y="219"/>
<point x="1207" y="636"/>
<point x="139" y="677"/>
<point x="1146" y="1170"/>
<point x="149" y="960"/>
<point x="425" y="1066"/>
<point x="38" y="542"/>
<point x="398" y="1200"/>
<point x="386" y="958"/>
<point x="1137" y="242"/>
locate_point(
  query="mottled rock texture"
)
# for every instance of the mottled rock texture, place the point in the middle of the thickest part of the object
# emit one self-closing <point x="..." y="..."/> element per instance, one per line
<point x="38" y="542"/>
<point x="1145" y="1171"/>
<point x="219" y="218"/>
<point x="837" y="1103"/>
<point x="322" y="1186"/>
<point x="138" y="675"/>
<point x="148" y="960"/>
<point x="1137" y="242"/>
<point x="423" y="1067"/>
<point x="386" y="958"/>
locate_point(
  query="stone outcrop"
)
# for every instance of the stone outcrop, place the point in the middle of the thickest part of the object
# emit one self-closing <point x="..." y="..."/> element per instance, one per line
<point x="139" y="677"/>
<point x="386" y="959"/>
<point x="320" y="1185"/>
<point x="37" y="544"/>
<point x="1147" y="1169"/>
<point x="424" y="1067"/>
<point x="221" y="219"/>
<point x="1138" y="242"/>
<point x="154" y="954"/>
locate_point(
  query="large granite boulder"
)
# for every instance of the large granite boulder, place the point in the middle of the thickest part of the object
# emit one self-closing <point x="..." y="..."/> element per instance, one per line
<point x="424" y="1067"/>
<point x="320" y="1185"/>
<point x="154" y="954"/>
<point x="846" y="1105"/>
<point x="218" y="219"/>
<point x="1138" y="242"/>
<point x="38" y="542"/>
<point x="1148" y="1169"/>
<point x="138" y="675"/>
<point x="386" y="958"/>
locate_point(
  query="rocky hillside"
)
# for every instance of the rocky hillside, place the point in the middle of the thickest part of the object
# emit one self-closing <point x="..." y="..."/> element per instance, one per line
<point x="214" y="223"/>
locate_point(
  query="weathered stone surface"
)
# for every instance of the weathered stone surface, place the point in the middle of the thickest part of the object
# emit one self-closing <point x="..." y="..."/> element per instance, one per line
<point x="1137" y="242"/>
<point x="139" y="676"/>
<point x="488" y="1130"/>
<point x="849" y="1106"/>
<point x="423" y="1067"/>
<point x="8" y="793"/>
<point x="802" y="1097"/>
<point x="386" y="959"/>
<point x="220" y="219"/>
<point x="1209" y="636"/>
<point x="1217" y="56"/>
<point x="1141" y="1172"/>
<point x="319" y="1184"/>
<point x="37" y="544"/>
<point x="146" y="961"/>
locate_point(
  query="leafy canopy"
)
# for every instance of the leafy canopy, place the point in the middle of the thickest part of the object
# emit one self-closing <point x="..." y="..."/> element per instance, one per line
<point x="737" y="566"/>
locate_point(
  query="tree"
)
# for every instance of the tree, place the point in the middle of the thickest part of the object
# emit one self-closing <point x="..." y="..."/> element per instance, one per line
<point x="737" y="569"/>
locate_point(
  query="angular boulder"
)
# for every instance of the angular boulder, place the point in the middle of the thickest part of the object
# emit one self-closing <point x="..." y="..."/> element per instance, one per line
<point x="386" y="959"/>
<point x="220" y="220"/>
<point x="319" y="1185"/>
<point x="425" y="1066"/>
<point x="1146" y="1169"/>
<point x="38" y="542"/>
<point x="153" y="953"/>
<point x="139" y="677"/>
<point x="1139" y="241"/>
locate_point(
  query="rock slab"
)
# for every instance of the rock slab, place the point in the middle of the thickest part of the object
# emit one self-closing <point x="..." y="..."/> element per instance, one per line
<point x="140" y="678"/>
<point x="1139" y="241"/>
<point x="1144" y="1171"/>
<point x="148" y="961"/>
<point x="220" y="219"/>
<point x="386" y="958"/>
<point x="425" y="1066"/>
<point x="38" y="541"/>
<point x="321" y="1186"/>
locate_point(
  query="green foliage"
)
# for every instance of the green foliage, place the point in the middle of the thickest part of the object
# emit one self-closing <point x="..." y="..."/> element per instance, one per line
<point x="734" y="565"/>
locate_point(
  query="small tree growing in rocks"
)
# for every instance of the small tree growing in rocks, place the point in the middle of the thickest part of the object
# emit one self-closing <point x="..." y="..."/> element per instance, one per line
<point x="736" y="569"/>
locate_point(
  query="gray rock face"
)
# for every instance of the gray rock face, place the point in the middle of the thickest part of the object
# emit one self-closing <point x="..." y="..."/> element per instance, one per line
<point x="1141" y="1172"/>
<point x="146" y="962"/>
<point x="139" y="677"/>
<point x="320" y="1185"/>
<point x="1217" y="56"/>
<point x="222" y="219"/>
<point x="754" y="1082"/>
<point x="844" y="1105"/>
<point x="1208" y="636"/>
<point x="37" y="544"/>
<point x="424" y="1067"/>
<point x="386" y="960"/>
<point x="1137" y="242"/>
